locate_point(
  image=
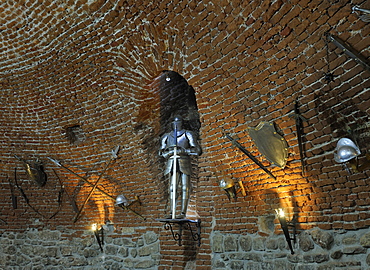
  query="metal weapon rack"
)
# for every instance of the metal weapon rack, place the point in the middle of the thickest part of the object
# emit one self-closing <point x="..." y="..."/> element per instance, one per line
<point x="183" y="224"/>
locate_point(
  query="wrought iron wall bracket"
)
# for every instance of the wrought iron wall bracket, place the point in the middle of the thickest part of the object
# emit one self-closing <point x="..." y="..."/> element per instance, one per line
<point x="182" y="224"/>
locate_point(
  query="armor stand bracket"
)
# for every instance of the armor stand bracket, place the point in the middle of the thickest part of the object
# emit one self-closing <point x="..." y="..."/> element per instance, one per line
<point x="183" y="224"/>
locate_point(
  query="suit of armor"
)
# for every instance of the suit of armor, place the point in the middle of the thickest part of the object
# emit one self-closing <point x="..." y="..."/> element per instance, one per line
<point x="185" y="143"/>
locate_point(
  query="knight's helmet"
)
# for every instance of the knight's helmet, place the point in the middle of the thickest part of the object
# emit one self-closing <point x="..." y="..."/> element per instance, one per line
<point x="177" y="122"/>
<point x="346" y="150"/>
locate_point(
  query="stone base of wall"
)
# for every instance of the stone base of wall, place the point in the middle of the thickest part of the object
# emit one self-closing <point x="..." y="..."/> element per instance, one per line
<point x="40" y="250"/>
<point x="314" y="250"/>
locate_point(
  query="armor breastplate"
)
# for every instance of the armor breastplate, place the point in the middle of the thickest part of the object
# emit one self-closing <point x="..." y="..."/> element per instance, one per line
<point x="182" y="140"/>
<point x="183" y="160"/>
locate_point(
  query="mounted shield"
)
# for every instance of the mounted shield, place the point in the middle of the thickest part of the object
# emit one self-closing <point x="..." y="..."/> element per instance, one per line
<point x="35" y="171"/>
<point x="269" y="143"/>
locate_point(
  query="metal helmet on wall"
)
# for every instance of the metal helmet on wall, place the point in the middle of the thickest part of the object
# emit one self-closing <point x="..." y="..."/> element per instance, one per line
<point x="346" y="150"/>
<point x="121" y="200"/>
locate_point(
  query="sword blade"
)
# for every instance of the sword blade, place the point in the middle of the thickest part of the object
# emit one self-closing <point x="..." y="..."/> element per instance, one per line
<point x="245" y="151"/>
<point x="174" y="175"/>
<point x="298" y="124"/>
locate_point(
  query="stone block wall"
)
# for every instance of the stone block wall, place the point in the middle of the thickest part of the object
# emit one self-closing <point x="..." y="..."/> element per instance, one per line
<point x="314" y="249"/>
<point x="47" y="249"/>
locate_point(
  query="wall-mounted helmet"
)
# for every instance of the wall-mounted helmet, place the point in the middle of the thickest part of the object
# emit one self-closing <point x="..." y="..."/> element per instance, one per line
<point x="121" y="200"/>
<point x="346" y="150"/>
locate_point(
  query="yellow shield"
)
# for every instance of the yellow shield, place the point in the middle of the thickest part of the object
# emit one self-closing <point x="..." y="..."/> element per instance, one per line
<point x="269" y="143"/>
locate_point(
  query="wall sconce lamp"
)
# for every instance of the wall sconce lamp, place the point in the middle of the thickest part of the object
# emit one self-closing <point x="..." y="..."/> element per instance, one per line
<point x="229" y="186"/>
<point x="99" y="235"/>
<point x="347" y="151"/>
<point x="231" y="189"/>
<point x="285" y="227"/>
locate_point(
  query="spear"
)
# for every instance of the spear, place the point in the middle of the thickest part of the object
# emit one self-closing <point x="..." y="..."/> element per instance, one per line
<point x="80" y="177"/>
<point x="245" y="151"/>
<point x="114" y="156"/>
<point x="87" y="182"/>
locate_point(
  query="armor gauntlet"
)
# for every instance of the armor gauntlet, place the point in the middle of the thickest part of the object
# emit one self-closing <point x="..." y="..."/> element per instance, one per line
<point x="170" y="152"/>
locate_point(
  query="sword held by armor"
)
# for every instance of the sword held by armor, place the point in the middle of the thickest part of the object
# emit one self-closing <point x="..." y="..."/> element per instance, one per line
<point x="174" y="174"/>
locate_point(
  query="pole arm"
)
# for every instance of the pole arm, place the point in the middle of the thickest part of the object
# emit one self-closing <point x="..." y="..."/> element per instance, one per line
<point x="350" y="51"/>
<point x="91" y="193"/>
<point x="245" y="151"/>
<point x="91" y="184"/>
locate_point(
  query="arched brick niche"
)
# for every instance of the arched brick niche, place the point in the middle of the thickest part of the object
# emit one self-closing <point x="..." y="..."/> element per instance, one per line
<point x="177" y="97"/>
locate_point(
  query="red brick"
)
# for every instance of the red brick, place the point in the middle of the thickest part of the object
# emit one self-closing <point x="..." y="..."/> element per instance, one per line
<point x="247" y="64"/>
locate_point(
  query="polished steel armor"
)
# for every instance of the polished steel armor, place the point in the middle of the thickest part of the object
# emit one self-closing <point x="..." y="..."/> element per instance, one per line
<point x="178" y="145"/>
<point x="121" y="199"/>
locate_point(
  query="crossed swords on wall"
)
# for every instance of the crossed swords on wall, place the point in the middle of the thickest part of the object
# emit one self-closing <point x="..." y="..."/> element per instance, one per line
<point x="94" y="186"/>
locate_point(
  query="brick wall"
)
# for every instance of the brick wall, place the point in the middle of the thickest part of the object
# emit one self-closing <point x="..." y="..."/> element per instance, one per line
<point x="95" y="65"/>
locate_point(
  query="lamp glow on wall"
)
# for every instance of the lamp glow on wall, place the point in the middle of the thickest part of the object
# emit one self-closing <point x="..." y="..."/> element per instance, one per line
<point x="99" y="235"/>
<point x="285" y="227"/>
